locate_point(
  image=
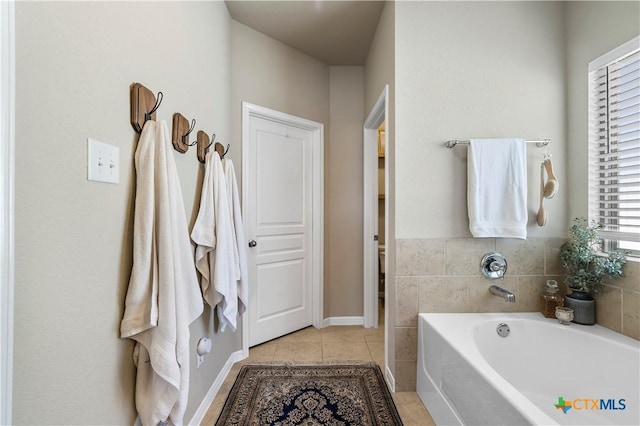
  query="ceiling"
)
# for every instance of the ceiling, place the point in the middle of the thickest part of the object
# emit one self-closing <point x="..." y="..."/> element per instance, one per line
<point x="334" y="32"/>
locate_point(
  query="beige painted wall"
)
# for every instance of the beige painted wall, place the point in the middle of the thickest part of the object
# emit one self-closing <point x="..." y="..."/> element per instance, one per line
<point x="75" y="62"/>
<point x="272" y="75"/>
<point x="344" y="180"/>
<point x="474" y="69"/>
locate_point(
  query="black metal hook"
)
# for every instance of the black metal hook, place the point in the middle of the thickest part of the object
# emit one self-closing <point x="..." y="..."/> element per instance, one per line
<point x="213" y="139"/>
<point x="185" y="137"/>
<point x="225" y="151"/>
<point x="147" y="115"/>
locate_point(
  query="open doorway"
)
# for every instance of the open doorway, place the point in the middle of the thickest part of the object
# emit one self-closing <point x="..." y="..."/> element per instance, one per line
<point x="375" y="203"/>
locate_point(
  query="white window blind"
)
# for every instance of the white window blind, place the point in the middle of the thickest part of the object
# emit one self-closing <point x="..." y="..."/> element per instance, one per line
<point x="614" y="136"/>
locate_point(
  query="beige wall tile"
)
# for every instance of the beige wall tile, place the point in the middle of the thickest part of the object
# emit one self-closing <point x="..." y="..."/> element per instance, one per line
<point x="463" y="255"/>
<point x="631" y="314"/>
<point x="524" y="257"/>
<point x="406" y="344"/>
<point x="443" y="294"/>
<point x="608" y="307"/>
<point x="529" y="296"/>
<point x="405" y="376"/>
<point x="553" y="266"/>
<point x="631" y="278"/>
<point x="407" y="302"/>
<point x="480" y="300"/>
<point x="419" y="257"/>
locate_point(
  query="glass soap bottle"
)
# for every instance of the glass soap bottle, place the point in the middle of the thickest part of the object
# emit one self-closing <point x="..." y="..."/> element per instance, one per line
<point x="551" y="299"/>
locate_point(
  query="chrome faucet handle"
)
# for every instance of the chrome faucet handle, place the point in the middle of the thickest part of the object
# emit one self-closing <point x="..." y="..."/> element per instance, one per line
<point x="493" y="265"/>
<point x="497" y="265"/>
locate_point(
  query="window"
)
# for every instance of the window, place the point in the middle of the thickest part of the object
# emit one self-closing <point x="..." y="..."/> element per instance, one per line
<point x="614" y="139"/>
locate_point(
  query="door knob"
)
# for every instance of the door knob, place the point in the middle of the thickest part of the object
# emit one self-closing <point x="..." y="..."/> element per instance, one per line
<point x="252" y="243"/>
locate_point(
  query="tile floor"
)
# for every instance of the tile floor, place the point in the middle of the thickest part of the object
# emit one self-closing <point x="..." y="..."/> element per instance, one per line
<point x="330" y="344"/>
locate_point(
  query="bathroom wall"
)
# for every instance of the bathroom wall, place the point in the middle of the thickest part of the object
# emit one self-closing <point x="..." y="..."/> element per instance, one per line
<point x="75" y="63"/>
<point x="464" y="70"/>
<point x="379" y="71"/>
<point x="344" y="179"/>
<point x="593" y="29"/>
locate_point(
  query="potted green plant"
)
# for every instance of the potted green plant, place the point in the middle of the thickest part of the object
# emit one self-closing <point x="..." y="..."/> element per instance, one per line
<point x="586" y="266"/>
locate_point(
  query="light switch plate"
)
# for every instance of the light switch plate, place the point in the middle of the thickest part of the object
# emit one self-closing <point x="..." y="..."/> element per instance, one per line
<point x="103" y="162"/>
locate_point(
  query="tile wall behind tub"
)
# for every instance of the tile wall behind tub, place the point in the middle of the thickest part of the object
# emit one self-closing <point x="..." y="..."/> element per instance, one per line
<point x="618" y="302"/>
<point x="443" y="275"/>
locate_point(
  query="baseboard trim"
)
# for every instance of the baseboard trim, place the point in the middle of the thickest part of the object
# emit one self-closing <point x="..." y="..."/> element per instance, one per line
<point x="343" y="321"/>
<point x="391" y="381"/>
<point x="198" y="416"/>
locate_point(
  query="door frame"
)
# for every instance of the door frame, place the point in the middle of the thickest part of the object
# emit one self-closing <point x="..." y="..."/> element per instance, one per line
<point x="379" y="114"/>
<point x="317" y="252"/>
<point x="7" y="184"/>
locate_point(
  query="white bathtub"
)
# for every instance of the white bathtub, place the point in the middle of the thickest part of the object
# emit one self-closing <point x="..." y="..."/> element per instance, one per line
<point x="469" y="375"/>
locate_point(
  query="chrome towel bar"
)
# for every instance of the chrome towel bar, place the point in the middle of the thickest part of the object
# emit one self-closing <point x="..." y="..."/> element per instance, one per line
<point x="539" y="143"/>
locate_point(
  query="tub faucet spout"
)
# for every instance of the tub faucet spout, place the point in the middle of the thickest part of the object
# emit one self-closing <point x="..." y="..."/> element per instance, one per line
<point x="501" y="292"/>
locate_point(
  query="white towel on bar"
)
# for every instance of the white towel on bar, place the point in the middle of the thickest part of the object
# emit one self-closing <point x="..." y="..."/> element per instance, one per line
<point x="215" y="244"/>
<point x="497" y="188"/>
<point x="163" y="297"/>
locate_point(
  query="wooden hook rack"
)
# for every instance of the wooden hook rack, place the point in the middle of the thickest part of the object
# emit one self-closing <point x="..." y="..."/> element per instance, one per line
<point x="143" y="108"/>
<point x="220" y="149"/>
<point x="180" y="132"/>
<point x="143" y="105"/>
<point x="203" y="145"/>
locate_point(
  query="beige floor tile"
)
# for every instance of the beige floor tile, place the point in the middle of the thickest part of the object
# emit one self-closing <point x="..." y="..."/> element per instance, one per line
<point x="263" y="352"/>
<point x="214" y="411"/>
<point x="374" y="334"/>
<point x="309" y="334"/>
<point x="414" y="414"/>
<point x="345" y="351"/>
<point x="406" y="398"/>
<point x="298" y="352"/>
<point x="349" y="333"/>
<point x="376" y="349"/>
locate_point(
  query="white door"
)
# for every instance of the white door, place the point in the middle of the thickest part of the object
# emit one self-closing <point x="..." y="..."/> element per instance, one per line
<point x="278" y="177"/>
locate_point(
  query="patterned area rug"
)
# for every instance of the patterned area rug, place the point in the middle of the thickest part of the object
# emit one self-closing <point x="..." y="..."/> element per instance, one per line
<point x="309" y="395"/>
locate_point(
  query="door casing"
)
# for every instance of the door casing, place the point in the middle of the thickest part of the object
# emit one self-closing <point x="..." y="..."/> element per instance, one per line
<point x="317" y="256"/>
<point x="378" y="115"/>
<point x="7" y="143"/>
